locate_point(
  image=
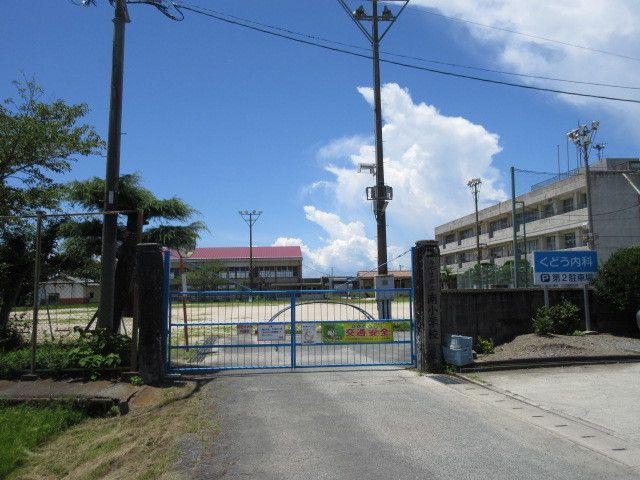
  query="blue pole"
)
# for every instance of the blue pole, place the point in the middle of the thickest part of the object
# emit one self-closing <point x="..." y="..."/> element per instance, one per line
<point x="293" y="330"/>
<point x="166" y="297"/>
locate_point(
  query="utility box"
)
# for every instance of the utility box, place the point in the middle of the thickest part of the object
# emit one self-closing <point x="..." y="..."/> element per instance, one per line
<point x="382" y="282"/>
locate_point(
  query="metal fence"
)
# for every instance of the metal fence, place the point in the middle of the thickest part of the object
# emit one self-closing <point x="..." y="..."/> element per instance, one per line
<point x="43" y="298"/>
<point x="288" y="329"/>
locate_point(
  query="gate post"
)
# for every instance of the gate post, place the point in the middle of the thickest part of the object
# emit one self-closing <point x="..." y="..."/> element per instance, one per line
<point x="427" y="305"/>
<point x="149" y="279"/>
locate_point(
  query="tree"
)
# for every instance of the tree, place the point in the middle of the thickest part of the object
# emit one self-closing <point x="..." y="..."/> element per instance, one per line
<point x="618" y="280"/>
<point x="447" y="277"/>
<point x="83" y="238"/>
<point x="37" y="140"/>
<point x="205" y="276"/>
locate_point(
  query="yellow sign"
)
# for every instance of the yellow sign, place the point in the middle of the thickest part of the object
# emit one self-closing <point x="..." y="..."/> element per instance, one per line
<point x="377" y="332"/>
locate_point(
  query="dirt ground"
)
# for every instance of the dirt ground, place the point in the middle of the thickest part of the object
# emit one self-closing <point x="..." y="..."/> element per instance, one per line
<point x="553" y="346"/>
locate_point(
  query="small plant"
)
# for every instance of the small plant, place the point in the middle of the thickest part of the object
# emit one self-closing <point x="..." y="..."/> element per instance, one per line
<point x="450" y="369"/>
<point x="484" y="345"/>
<point x="578" y="333"/>
<point x="136" y="380"/>
<point x="542" y="323"/>
<point x="562" y="319"/>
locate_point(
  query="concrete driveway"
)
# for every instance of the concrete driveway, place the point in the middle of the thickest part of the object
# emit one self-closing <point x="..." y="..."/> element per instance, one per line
<point x="605" y="395"/>
<point x="374" y="424"/>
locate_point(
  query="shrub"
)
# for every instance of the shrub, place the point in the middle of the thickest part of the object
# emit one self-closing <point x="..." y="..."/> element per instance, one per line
<point x="93" y="351"/>
<point x="618" y="279"/>
<point x="542" y="323"/>
<point x="563" y="319"/>
<point x="484" y="345"/>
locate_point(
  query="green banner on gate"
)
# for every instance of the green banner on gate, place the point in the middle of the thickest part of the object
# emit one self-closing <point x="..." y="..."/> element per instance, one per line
<point x="357" y="332"/>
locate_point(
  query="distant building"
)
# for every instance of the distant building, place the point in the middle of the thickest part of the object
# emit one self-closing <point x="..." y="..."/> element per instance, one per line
<point x="555" y="218"/>
<point x="273" y="267"/>
<point x="67" y="290"/>
<point x="401" y="279"/>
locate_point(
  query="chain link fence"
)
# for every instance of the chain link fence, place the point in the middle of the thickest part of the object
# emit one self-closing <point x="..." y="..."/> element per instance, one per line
<point x="49" y="279"/>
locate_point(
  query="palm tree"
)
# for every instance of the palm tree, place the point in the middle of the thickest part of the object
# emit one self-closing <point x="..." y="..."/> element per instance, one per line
<point x="83" y="239"/>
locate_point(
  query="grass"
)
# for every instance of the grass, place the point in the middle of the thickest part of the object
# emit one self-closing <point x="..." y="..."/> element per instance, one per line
<point x="25" y="427"/>
<point x="139" y="445"/>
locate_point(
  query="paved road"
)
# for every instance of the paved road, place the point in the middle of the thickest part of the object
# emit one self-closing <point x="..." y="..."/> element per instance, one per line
<point x="374" y="424"/>
<point x="605" y="395"/>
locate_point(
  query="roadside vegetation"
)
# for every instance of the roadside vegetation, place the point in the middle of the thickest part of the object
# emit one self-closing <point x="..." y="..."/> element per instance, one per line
<point x="140" y="445"/>
<point x="95" y="352"/>
<point x="25" y="427"/>
<point x="563" y="319"/>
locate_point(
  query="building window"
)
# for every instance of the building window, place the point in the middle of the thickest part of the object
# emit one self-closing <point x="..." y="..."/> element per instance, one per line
<point x="450" y="238"/>
<point x="550" y="243"/>
<point x="570" y="240"/>
<point x="567" y="205"/>
<point x="531" y="215"/>
<point x="532" y="245"/>
<point x="468" y="233"/>
<point x="582" y="200"/>
<point x="450" y="259"/>
<point x="498" y="225"/>
<point x="548" y="210"/>
<point x="496" y="252"/>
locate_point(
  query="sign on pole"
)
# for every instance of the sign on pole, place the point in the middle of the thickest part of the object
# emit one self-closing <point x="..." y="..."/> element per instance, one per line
<point x="561" y="267"/>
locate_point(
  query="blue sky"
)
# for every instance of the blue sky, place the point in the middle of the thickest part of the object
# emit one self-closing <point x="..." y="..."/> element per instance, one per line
<point x="228" y="118"/>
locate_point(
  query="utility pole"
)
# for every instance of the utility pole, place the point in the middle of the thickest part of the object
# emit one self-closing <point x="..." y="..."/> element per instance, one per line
<point x="516" y="254"/>
<point x="474" y="185"/>
<point x="582" y="138"/>
<point x="380" y="194"/>
<point x="110" y="221"/>
<point x="250" y="217"/>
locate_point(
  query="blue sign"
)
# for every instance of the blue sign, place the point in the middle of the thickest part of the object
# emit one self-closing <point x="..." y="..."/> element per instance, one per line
<point x="564" y="267"/>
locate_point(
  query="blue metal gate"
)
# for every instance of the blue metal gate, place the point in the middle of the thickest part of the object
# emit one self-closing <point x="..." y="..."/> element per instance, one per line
<point x="288" y="329"/>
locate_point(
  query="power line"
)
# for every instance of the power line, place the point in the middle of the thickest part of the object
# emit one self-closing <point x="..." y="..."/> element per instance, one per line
<point x="410" y="57"/>
<point x="200" y="10"/>
<point x="536" y="37"/>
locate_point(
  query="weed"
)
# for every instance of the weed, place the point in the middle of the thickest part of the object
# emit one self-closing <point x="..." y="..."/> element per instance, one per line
<point x="450" y="370"/>
<point x="137" y="380"/>
<point x="484" y="345"/>
<point x="578" y="333"/>
<point x="562" y="319"/>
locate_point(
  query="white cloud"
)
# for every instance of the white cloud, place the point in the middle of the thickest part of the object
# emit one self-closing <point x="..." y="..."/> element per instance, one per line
<point x="598" y="24"/>
<point x="429" y="157"/>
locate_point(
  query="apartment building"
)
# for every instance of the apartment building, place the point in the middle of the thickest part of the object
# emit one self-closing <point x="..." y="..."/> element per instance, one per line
<point x="552" y="216"/>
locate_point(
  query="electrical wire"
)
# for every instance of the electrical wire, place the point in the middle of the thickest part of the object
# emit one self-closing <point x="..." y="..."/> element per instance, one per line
<point x="536" y="37"/>
<point x="410" y="57"/>
<point x="201" y="11"/>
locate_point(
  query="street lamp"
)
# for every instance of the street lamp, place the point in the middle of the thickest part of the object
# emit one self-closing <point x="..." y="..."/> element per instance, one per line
<point x="380" y="194"/>
<point x="110" y="221"/>
<point x="250" y="217"/>
<point x="582" y="138"/>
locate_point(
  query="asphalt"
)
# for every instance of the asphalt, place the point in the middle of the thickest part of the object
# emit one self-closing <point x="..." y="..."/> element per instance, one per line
<point x="386" y="424"/>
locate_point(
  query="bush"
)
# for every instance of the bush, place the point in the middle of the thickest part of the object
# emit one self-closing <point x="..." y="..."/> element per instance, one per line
<point x="618" y="279"/>
<point x="563" y="319"/>
<point x="93" y="351"/>
<point x="484" y="345"/>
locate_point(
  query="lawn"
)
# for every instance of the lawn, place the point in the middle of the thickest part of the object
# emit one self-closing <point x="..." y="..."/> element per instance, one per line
<point x="24" y="427"/>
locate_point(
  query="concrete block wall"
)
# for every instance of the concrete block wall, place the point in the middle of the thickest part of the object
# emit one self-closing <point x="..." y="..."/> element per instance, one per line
<point x="502" y="314"/>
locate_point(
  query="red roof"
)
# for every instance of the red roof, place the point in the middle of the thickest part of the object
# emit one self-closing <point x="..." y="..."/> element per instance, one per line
<point x="236" y="253"/>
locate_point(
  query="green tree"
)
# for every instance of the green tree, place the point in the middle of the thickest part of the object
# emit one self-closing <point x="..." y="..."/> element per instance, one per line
<point x="204" y="276"/>
<point x="37" y="141"/>
<point x="82" y="239"/>
<point x="618" y="280"/>
<point x="447" y="277"/>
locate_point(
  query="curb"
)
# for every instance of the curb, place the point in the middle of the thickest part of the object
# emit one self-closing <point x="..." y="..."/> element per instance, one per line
<point x="548" y="363"/>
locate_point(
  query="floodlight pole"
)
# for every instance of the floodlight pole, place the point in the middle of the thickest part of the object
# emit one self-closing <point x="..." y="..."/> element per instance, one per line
<point x="110" y="221"/>
<point x="474" y="185"/>
<point x="250" y="218"/>
<point x="381" y="193"/>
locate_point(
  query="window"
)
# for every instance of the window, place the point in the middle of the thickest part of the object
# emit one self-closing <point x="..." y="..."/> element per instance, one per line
<point x="496" y="252"/>
<point x="499" y="225"/>
<point x="582" y="200"/>
<point x="449" y="259"/>
<point x="570" y="240"/>
<point x="450" y="238"/>
<point x="548" y="210"/>
<point x="567" y="205"/>
<point x="532" y="245"/>
<point x="550" y="243"/>
<point x="531" y="215"/>
<point x="468" y="233"/>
